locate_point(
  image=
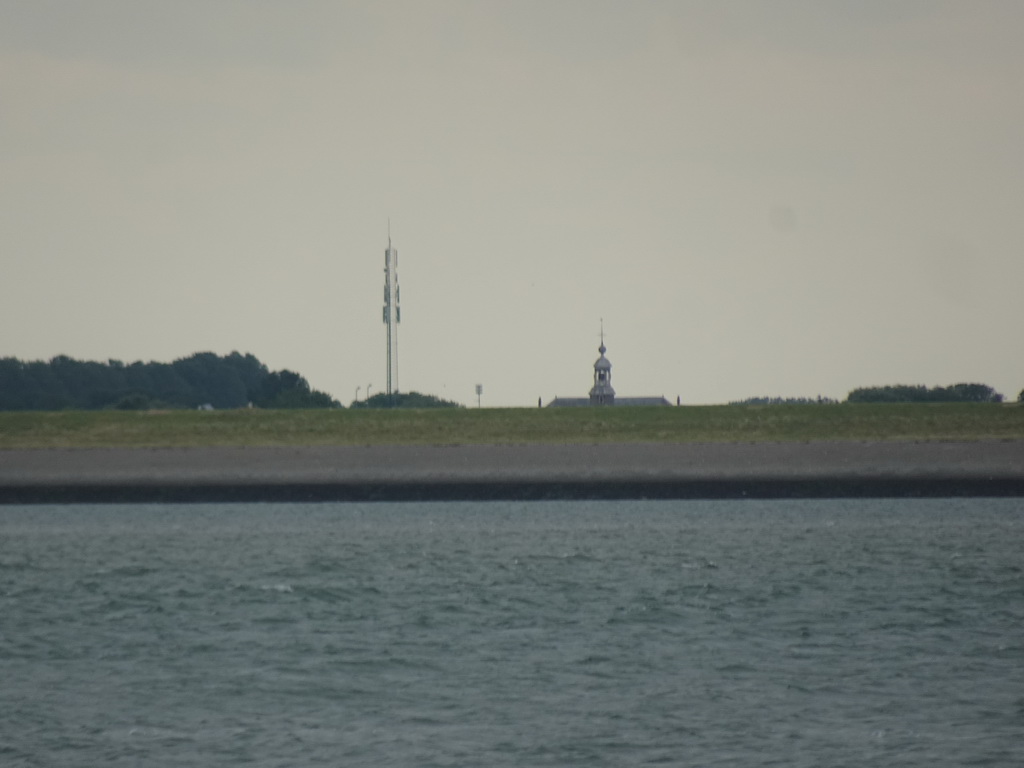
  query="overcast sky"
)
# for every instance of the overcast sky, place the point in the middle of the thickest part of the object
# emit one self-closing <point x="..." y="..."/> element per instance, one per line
<point x="781" y="197"/>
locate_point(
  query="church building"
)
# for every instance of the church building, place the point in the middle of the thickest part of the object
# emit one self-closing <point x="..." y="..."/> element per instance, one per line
<point x="602" y="392"/>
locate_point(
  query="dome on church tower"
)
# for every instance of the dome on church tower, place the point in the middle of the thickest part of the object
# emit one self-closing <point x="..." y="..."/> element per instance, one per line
<point x="602" y="393"/>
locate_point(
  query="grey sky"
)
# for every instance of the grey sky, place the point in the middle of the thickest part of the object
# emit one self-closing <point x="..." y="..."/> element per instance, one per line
<point x="759" y="198"/>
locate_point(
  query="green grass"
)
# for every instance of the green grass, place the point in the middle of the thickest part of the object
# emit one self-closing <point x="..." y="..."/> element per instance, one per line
<point x="732" y="423"/>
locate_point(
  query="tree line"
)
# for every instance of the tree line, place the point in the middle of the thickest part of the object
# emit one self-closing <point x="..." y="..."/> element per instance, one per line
<point x="902" y="393"/>
<point x="411" y="399"/>
<point x="819" y="400"/>
<point x="895" y="393"/>
<point x="229" y="381"/>
<point x="236" y="380"/>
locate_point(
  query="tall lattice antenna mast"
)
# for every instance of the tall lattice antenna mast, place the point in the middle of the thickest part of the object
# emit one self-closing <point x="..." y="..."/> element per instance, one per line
<point x="392" y="313"/>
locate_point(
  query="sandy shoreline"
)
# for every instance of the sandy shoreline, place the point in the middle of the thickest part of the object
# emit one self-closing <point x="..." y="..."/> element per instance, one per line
<point x="688" y="470"/>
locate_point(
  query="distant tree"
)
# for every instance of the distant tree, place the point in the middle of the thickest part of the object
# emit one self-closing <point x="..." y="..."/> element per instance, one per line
<point x="230" y="381"/>
<point x="899" y="393"/>
<point x="286" y="389"/>
<point x="13" y="395"/>
<point x="134" y="402"/>
<point x="785" y="401"/>
<point x="971" y="393"/>
<point x="46" y="384"/>
<point x="160" y="381"/>
<point x="405" y="400"/>
<point x="250" y="370"/>
<point x="902" y="393"/>
<point x="213" y="380"/>
<point x="1020" y="397"/>
<point x="294" y="398"/>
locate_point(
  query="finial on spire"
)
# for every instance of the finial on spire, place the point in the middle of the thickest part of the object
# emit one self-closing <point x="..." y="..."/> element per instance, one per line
<point x="602" y="349"/>
<point x="389" y="231"/>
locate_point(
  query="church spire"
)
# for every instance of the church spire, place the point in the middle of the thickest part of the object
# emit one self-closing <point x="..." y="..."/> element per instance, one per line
<point x="602" y="393"/>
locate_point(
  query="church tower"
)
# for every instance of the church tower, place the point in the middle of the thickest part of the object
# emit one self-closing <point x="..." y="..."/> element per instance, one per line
<point x="602" y="393"/>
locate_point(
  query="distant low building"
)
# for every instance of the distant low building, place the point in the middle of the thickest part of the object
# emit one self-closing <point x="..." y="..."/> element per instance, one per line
<point x="602" y="392"/>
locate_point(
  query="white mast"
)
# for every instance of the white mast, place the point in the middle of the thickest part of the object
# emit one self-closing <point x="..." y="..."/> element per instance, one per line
<point x="392" y="312"/>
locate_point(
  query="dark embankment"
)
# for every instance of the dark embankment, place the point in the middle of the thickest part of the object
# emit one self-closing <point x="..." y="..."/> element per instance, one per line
<point x="818" y="469"/>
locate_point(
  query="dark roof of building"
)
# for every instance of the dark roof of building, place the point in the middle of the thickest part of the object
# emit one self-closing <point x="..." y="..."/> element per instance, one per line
<point x="641" y="401"/>
<point x="579" y="402"/>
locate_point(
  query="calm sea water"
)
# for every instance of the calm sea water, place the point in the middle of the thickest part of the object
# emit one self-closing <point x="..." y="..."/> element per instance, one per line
<point x="818" y="633"/>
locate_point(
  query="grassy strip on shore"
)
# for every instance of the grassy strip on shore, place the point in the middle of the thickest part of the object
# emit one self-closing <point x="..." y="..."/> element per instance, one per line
<point x="729" y="423"/>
